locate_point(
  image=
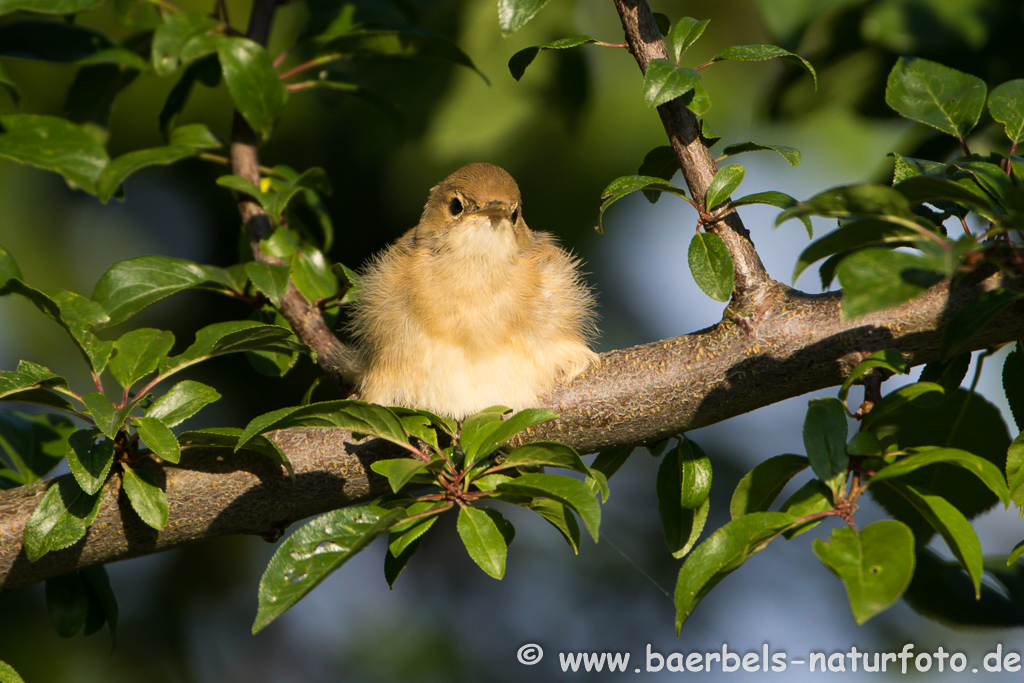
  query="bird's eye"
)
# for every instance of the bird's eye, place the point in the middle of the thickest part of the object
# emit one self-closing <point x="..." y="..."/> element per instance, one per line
<point x="515" y="214"/>
<point x="455" y="206"/>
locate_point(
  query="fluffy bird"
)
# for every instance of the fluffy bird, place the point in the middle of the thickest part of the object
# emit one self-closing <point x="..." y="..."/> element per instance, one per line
<point x="471" y="308"/>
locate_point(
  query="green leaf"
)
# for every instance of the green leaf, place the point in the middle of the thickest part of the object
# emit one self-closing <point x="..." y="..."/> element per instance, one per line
<point x="984" y="470"/>
<point x="102" y="599"/>
<point x="1013" y="383"/>
<point x="89" y="459"/>
<point x="355" y="416"/>
<point x="877" y="279"/>
<point x="559" y="516"/>
<point x="544" y="453"/>
<point x="722" y="553"/>
<point x="15" y="94"/>
<point x="108" y="418"/>
<point x="790" y="154"/>
<point x="896" y="399"/>
<point x="252" y="81"/>
<point x="133" y="284"/>
<point x="522" y="59"/>
<point x="924" y="189"/>
<point x="711" y="265"/>
<point x="176" y="30"/>
<point x="185" y="399"/>
<point x="665" y="81"/>
<point x="137" y="353"/>
<point x="404" y="42"/>
<point x="7" y="672"/>
<point x="483" y="538"/>
<point x="942" y="591"/>
<point x="232" y="336"/>
<point x="60" y="518"/>
<point x="810" y="499"/>
<point x="398" y="471"/>
<point x="47" y="6"/>
<point x="53" y="144"/>
<point x="609" y="461"/>
<point x="269" y="279"/>
<point x="889" y="359"/>
<point x="660" y="162"/>
<point x="67" y="602"/>
<point x="977" y="313"/>
<point x="1016" y="553"/>
<point x="686" y="33"/>
<point x="620" y="187"/>
<point x="853" y="235"/>
<point x="206" y="70"/>
<point x="64" y="42"/>
<point x="514" y="14"/>
<point x="759" y="53"/>
<point x="34" y="443"/>
<point x="935" y="95"/>
<point x="227" y="437"/>
<point x="875" y="565"/>
<point x="123" y="166"/>
<point x="576" y="494"/>
<point x="158" y="437"/>
<point x="825" y="432"/>
<point x="1006" y="104"/>
<point x="852" y="201"/>
<point x="759" y="487"/>
<point x="683" y="487"/>
<point x="722" y="185"/>
<point x="951" y="525"/>
<point x="313" y="552"/>
<point x="147" y="499"/>
<point x="478" y="443"/>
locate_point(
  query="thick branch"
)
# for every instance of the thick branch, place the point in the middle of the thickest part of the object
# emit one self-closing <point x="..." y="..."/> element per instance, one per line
<point x="695" y="159"/>
<point x="797" y="344"/>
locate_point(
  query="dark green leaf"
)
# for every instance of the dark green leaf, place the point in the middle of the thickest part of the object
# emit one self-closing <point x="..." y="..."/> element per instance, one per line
<point x="825" y="432"/>
<point x="896" y="399"/>
<point x="252" y="80"/>
<point x="877" y="279"/>
<point x="571" y="492"/>
<point x="683" y="487"/>
<point x="711" y="265"/>
<point x="810" y="499"/>
<point x="660" y="162"/>
<point x="483" y="539"/>
<point x="1013" y="384"/>
<point x="560" y="517"/>
<point x="137" y="353"/>
<point x="949" y="375"/>
<point x="790" y="154"/>
<point x="63" y="42"/>
<point x="67" y="602"/>
<point x="1006" y="104"/>
<point x="545" y="453"/>
<point x="665" y="81"/>
<point x="269" y="279"/>
<point x="852" y="201"/>
<point x="984" y="470"/>
<point x="207" y="70"/>
<point x="522" y="59"/>
<point x="942" y="591"/>
<point x="318" y="548"/>
<point x="89" y="459"/>
<point x="855" y="234"/>
<point x="147" y="499"/>
<point x="53" y="144"/>
<point x="108" y="418"/>
<point x="404" y="533"/>
<point x="355" y="416"/>
<point x="102" y="595"/>
<point x="875" y="565"/>
<point x="686" y="32"/>
<point x="951" y="525"/>
<point x="398" y="471"/>
<point x="962" y="327"/>
<point x="47" y="6"/>
<point x="1015" y="470"/>
<point x="608" y="462"/>
<point x="227" y="437"/>
<point x="924" y="189"/>
<point x="405" y="42"/>
<point x="514" y="14"/>
<point x="620" y="187"/>
<point x="722" y="553"/>
<point x="723" y="184"/>
<point x="185" y="399"/>
<point x="480" y="443"/>
<point x="13" y="92"/>
<point x="232" y="336"/>
<point x="933" y="94"/>
<point x="759" y="488"/>
<point x="60" y="518"/>
<point x="158" y="437"/>
<point x="34" y="443"/>
<point x="759" y="53"/>
<point x="889" y="359"/>
<point x="176" y="30"/>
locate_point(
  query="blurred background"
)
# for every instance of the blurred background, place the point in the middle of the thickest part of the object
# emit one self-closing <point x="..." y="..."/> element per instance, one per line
<point x="572" y="124"/>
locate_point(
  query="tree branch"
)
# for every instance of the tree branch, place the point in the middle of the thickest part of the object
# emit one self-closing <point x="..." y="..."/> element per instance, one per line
<point x="695" y="160"/>
<point x="639" y="395"/>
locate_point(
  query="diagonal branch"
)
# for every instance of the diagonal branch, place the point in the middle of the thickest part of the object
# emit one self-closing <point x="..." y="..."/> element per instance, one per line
<point x="696" y="161"/>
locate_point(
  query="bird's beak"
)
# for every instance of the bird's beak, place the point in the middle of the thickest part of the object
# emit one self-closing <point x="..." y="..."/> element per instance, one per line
<point x="495" y="209"/>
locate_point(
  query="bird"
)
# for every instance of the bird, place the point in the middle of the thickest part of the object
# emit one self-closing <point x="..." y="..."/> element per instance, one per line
<point x="471" y="309"/>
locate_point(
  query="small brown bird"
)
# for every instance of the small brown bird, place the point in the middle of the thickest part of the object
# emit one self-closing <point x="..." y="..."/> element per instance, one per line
<point x="471" y="308"/>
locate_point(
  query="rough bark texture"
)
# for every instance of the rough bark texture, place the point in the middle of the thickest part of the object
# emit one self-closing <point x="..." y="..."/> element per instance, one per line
<point x="773" y="343"/>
